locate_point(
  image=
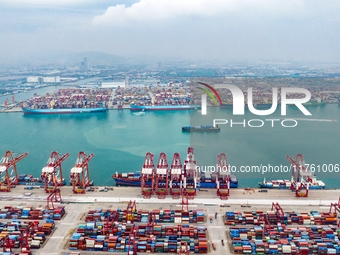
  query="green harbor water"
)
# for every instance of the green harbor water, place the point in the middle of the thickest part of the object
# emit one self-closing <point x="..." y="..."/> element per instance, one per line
<point x="120" y="139"/>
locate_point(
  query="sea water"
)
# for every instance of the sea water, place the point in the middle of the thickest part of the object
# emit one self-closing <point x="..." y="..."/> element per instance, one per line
<point x="120" y="139"/>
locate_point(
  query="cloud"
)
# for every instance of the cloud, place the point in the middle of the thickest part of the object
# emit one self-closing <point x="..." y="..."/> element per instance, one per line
<point x="155" y="10"/>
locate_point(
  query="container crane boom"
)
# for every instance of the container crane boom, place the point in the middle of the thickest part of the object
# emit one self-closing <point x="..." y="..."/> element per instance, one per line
<point x="8" y="170"/>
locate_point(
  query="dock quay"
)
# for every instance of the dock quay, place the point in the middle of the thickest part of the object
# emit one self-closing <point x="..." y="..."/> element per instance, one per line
<point x="77" y="206"/>
<point x="18" y="109"/>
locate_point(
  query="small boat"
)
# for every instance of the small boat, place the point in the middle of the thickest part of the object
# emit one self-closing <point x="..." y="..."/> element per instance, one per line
<point x="200" y="129"/>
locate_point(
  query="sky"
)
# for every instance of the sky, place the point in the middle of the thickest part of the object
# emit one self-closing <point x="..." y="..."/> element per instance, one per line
<point x="194" y="30"/>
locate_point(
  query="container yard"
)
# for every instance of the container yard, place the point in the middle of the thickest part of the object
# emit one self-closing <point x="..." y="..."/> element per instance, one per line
<point x="99" y="221"/>
<point x="276" y="232"/>
<point x="140" y="231"/>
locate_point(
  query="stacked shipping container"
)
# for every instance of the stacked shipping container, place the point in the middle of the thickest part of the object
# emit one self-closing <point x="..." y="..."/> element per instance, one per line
<point x="303" y="218"/>
<point x="110" y="230"/>
<point x="28" y="212"/>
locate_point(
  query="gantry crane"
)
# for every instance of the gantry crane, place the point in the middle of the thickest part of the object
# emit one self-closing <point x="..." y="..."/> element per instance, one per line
<point x="25" y="236"/>
<point x="176" y="180"/>
<point x="161" y="176"/>
<point x="80" y="175"/>
<point x="190" y="176"/>
<point x="130" y="209"/>
<point x="111" y="219"/>
<point x="132" y="247"/>
<point x="147" y="176"/>
<point x="53" y="196"/>
<point x="151" y="223"/>
<point x="52" y="173"/>
<point x="335" y="208"/>
<point x="8" y="170"/>
<point x="185" y="202"/>
<point x="222" y="176"/>
<point x="263" y="219"/>
<point x="279" y="212"/>
<point x="6" y="103"/>
<point x="8" y="244"/>
<point x="301" y="176"/>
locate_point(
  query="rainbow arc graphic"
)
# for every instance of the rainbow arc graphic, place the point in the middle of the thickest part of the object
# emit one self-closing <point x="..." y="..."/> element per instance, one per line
<point x="208" y="91"/>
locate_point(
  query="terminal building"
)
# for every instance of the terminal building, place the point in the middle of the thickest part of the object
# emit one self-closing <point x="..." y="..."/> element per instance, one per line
<point x="41" y="79"/>
<point x="114" y="84"/>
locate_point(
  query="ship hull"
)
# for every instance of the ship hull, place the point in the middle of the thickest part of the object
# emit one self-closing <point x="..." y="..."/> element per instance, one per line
<point x="31" y="183"/>
<point x="137" y="183"/>
<point x="270" y="186"/>
<point x="313" y="104"/>
<point x="200" y="129"/>
<point x="63" y="110"/>
<point x="162" y="107"/>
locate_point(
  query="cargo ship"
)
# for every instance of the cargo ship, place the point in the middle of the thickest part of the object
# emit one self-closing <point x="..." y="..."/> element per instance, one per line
<point x="256" y="105"/>
<point x="133" y="179"/>
<point x="68" y="101"/>
<point x="63" y="110"/>
<point x="200" y="129"/>
<point x="286" y="184"/>
<point x="29" y="180"/>
<point x="314" y="103"/>
<point x="134" y="107"/>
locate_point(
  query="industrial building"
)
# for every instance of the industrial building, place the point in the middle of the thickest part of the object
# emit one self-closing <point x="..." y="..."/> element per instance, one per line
<point x="114" y="84"/>
<point x="41" y="79"/>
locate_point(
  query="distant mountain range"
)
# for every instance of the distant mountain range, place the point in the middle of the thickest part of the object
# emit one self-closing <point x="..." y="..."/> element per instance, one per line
<point x="93" y="57"/>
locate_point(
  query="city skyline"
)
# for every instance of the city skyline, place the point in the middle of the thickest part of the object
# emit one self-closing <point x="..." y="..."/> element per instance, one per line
<point x="193" y="30"/>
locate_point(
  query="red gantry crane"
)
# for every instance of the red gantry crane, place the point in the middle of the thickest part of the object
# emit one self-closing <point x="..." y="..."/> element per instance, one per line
<point x="26" y="235"/>
<point x="147" y="176"/>
<point x="8" y="170"/>
<point x="161" y="176"/>
<point x="190" y="177"/>
<point x="278" y="211"/>
<point x="185" y="203"/>
<point x="335" y="208"/>
<point x="8" y="244"/>
<point x="52" y="173"/>
<point x="80" y="175"/>
<point x="131" y="245"/>
<point x="263" y="219"/>
<point x="176" y="176"/>
<point x="222" y="176"/>
<point x="151" y="223"/>
<point x="301" y="176"/>
<point x="130" y="209"/>
<point x="53" y="196"/>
